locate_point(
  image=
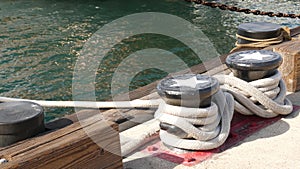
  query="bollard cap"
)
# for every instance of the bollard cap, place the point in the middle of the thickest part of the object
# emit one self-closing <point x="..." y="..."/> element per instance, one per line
<point x="18" y="112"/>
<point x="259" y="30"/>
<point x="254" y="60"/>
<point x="188" y="90"/>
<point x="19" y="120"/>
<point x="253" y="64"/>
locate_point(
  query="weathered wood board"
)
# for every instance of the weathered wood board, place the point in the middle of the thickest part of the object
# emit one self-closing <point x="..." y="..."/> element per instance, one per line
<point x="69" y="147"/>
<point x="290" y="67"/>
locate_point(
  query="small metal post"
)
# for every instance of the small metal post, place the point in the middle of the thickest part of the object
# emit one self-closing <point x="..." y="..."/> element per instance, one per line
<point x="189" y="90"/>
<point x="19" y="121"/>
<point x="253" y="64"/>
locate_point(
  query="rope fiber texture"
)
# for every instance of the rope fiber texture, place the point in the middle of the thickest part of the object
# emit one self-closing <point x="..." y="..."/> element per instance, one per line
<point x="264" y="97"/>
<point x="261" y="43"/>
<point x="134" y="137"/>
<point x="138" y="103"/>
<point x="214" y="122"/>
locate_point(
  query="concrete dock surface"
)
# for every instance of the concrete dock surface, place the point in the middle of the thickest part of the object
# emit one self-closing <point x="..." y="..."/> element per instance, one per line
<point x="276" y="146"/>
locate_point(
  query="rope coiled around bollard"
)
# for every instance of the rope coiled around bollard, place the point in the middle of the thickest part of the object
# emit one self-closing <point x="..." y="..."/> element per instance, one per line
<point x="269" y="92"/>
<point x="214" y="121"/>
<point x="261" y="43"/>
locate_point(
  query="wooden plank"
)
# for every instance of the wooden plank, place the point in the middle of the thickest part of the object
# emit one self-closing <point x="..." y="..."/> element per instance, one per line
<point x="222" y="69"/>
<point x="109" y="115"/>
<point x="295" y="31"/>
<point x="197" y="69"/>
<point x="70" y="147"/>
<point x="290" y="67"/>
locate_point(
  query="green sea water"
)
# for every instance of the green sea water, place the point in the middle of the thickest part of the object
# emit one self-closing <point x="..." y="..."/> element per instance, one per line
<point x="40" y="40"/>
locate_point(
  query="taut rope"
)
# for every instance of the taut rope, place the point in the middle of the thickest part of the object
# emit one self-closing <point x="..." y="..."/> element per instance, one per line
<point x="90" y="104"/>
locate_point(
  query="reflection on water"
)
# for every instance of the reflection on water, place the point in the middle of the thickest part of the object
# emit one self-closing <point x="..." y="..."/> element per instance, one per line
<point x="40" y="40"/>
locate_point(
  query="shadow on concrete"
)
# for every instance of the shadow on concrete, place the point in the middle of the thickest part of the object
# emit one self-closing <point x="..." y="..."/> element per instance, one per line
<point x="236" y="138"/>
<point x="149" y="162"/>
<point x="276" y="129"/>
<point x="295" y="99"/>
<point x="294" y="114"/>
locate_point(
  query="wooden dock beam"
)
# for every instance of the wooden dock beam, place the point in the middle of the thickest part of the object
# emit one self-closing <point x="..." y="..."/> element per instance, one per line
<point x="69" y="147"/>
<point x="290" y="67"/>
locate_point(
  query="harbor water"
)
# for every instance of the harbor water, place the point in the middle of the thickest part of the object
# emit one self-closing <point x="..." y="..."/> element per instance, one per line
<point x="40" y="41"/>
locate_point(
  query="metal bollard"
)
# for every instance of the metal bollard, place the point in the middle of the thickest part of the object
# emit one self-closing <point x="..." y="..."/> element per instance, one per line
<point x="19" y="120"/>
<point x="257" y="30"/>
<point x="189" y="90"/>
<point x="253" y="64"/>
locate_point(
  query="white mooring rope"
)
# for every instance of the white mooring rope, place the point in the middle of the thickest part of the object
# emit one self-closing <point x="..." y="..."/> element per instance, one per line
<point x="3" y="160"/>
<point x="269" y="92"/>
<point x="90" y="104"/>
<point x="136" y="136"/>
<point x="214" y="121"/>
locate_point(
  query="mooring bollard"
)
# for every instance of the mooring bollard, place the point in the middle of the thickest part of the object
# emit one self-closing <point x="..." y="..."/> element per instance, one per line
<point x="253" y="64"/>
<point x="256" y="84"/>
<point x="19" y="121"/>
<point x="258" y="31"/>
<point x="191" y="114"/>
<point x="257" y="35"/>
<point x="186" y="91"/>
